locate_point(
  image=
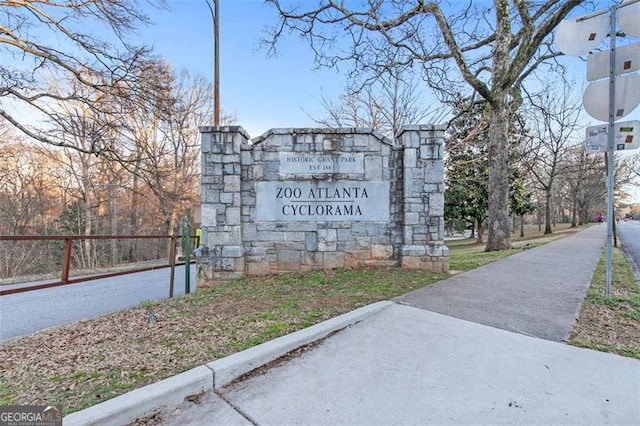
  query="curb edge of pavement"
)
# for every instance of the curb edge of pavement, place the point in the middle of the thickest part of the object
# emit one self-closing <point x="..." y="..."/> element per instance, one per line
<point x="172" y="391"/>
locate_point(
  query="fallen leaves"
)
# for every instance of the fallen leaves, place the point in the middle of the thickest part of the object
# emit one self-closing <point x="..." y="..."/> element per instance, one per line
<point x="607" y="328"/>
<point x="80" y="364"/>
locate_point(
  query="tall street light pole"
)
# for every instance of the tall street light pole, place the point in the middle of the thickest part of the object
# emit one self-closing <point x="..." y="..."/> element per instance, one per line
<point x="215" y="15"/>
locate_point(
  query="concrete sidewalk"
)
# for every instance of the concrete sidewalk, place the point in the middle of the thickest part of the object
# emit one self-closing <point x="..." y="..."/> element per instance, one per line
<point x="410" y="366"/>
<point x="537" y="292"/>
<point x="443" y="354"/>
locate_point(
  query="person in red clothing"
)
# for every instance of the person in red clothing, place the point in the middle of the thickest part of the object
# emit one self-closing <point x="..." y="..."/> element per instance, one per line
<point x="600" y="218"/>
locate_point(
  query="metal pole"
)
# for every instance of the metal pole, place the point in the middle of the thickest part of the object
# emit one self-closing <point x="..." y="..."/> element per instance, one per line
<point x="186" y="239"/>
<point x="66" y="260"/>
<point x="215" y="13"/>
<point x="610" y="142"/>
<point x="172" y="265"/>
<point x="216" y="60"/>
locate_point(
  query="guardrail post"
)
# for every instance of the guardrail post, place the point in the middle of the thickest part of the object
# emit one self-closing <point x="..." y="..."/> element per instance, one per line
<point x="65" y="264"/>
<point x="66" y="260"/>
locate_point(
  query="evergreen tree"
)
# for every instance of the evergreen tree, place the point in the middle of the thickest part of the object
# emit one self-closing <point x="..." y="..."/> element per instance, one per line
<point x="72" y="219"/>
<point x="466" y="195"/>
<point x="467" y="168"/>
<point x="520" y="201"/>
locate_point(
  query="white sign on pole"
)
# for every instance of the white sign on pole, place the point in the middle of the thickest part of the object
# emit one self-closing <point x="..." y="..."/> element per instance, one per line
<point x="627" y="97"/>
<point x="626" y="137"/>
<point x="596" y="140"/>
<point x="627" y="87"/>
<point x="577" y="37"/>
<point x="629" y="17"/>
<point x="627" y="60"/>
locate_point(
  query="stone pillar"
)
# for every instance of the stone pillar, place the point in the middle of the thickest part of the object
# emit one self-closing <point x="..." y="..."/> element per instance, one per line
<point x="423" y="198"/>
<point x="221" y="255"/>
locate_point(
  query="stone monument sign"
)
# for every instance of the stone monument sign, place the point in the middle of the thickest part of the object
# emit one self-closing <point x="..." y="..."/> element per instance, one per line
<point x="301" y="199"/>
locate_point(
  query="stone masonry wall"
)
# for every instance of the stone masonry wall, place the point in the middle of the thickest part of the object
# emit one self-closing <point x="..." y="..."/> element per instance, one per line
<point x="300" y="199"/>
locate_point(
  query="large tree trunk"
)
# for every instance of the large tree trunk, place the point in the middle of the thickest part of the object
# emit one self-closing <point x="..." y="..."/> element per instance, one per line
<point x="547" y="211"/>
<point x="170" y="227"/>
<point x="581" y="216"/>
<point x="86" y="188"/>
<point x="113" y="209"/>
<point x="539" y="217"/>
<point x="480" y="238"/>
<point x="499" y="118"/>
<point x="133" y="213"/>
<point x="499" y="222"/>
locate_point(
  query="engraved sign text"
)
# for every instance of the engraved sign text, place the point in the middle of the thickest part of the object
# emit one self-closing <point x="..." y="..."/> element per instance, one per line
<point x="310" y="164"/>
<point x="290" y="201"/>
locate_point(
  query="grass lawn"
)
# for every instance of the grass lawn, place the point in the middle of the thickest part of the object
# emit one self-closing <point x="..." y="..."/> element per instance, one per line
<point x="467" y="254"/>
<point x="78" y="365"/>
<point x="613" y="324"/>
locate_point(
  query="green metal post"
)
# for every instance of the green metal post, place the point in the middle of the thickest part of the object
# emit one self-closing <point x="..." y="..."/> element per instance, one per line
<point x="186" y="238"/>
<point x="172" y="264"/>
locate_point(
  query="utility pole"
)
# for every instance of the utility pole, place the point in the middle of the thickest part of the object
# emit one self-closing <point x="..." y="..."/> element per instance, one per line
<point x="215" y="16"/>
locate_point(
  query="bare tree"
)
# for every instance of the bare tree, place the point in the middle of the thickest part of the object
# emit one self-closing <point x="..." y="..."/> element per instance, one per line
<point x="163" y="142"/>
<point x="584" y="182"/>
<point x="59" y="40"/>
<point x="386" y="105"/>
<point x="553" y="123"/>
<point x="84" y="128"/>
<point x="634" y="166"/>
<point x="492" y="49"/>
<point x="585" y="179"/>
<point x="27" y="204"/>
<point x="624" y="174"/>
<point x="26" y="188"/>
<point x="357" y="109"/>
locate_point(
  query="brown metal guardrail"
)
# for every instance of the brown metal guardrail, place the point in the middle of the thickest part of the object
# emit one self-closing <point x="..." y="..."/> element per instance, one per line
<point x="66" y="257"/>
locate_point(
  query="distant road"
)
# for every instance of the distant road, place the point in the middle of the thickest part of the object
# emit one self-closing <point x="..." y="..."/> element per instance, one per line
<point x="629" y="233"/>
<point x="22" y="314"/>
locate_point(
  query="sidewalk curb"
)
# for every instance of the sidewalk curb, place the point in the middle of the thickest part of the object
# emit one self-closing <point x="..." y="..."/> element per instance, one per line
<point x="124" y="409"/>
<point x="634" y="267"/>
<point x="227" y="369"/>
<point x="172" y="391"/>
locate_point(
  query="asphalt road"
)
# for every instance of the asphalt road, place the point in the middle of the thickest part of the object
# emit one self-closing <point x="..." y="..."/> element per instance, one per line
<point x="26" y="313"/>
<point x="629" y="233"/>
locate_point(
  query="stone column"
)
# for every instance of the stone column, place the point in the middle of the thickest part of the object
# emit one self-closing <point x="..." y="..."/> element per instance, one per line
<point x="423" y="198"/>
<point x="221" y="255"/>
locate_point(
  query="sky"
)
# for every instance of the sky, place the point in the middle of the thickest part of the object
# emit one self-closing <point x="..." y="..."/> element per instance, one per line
<point x="263" y="92"/>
